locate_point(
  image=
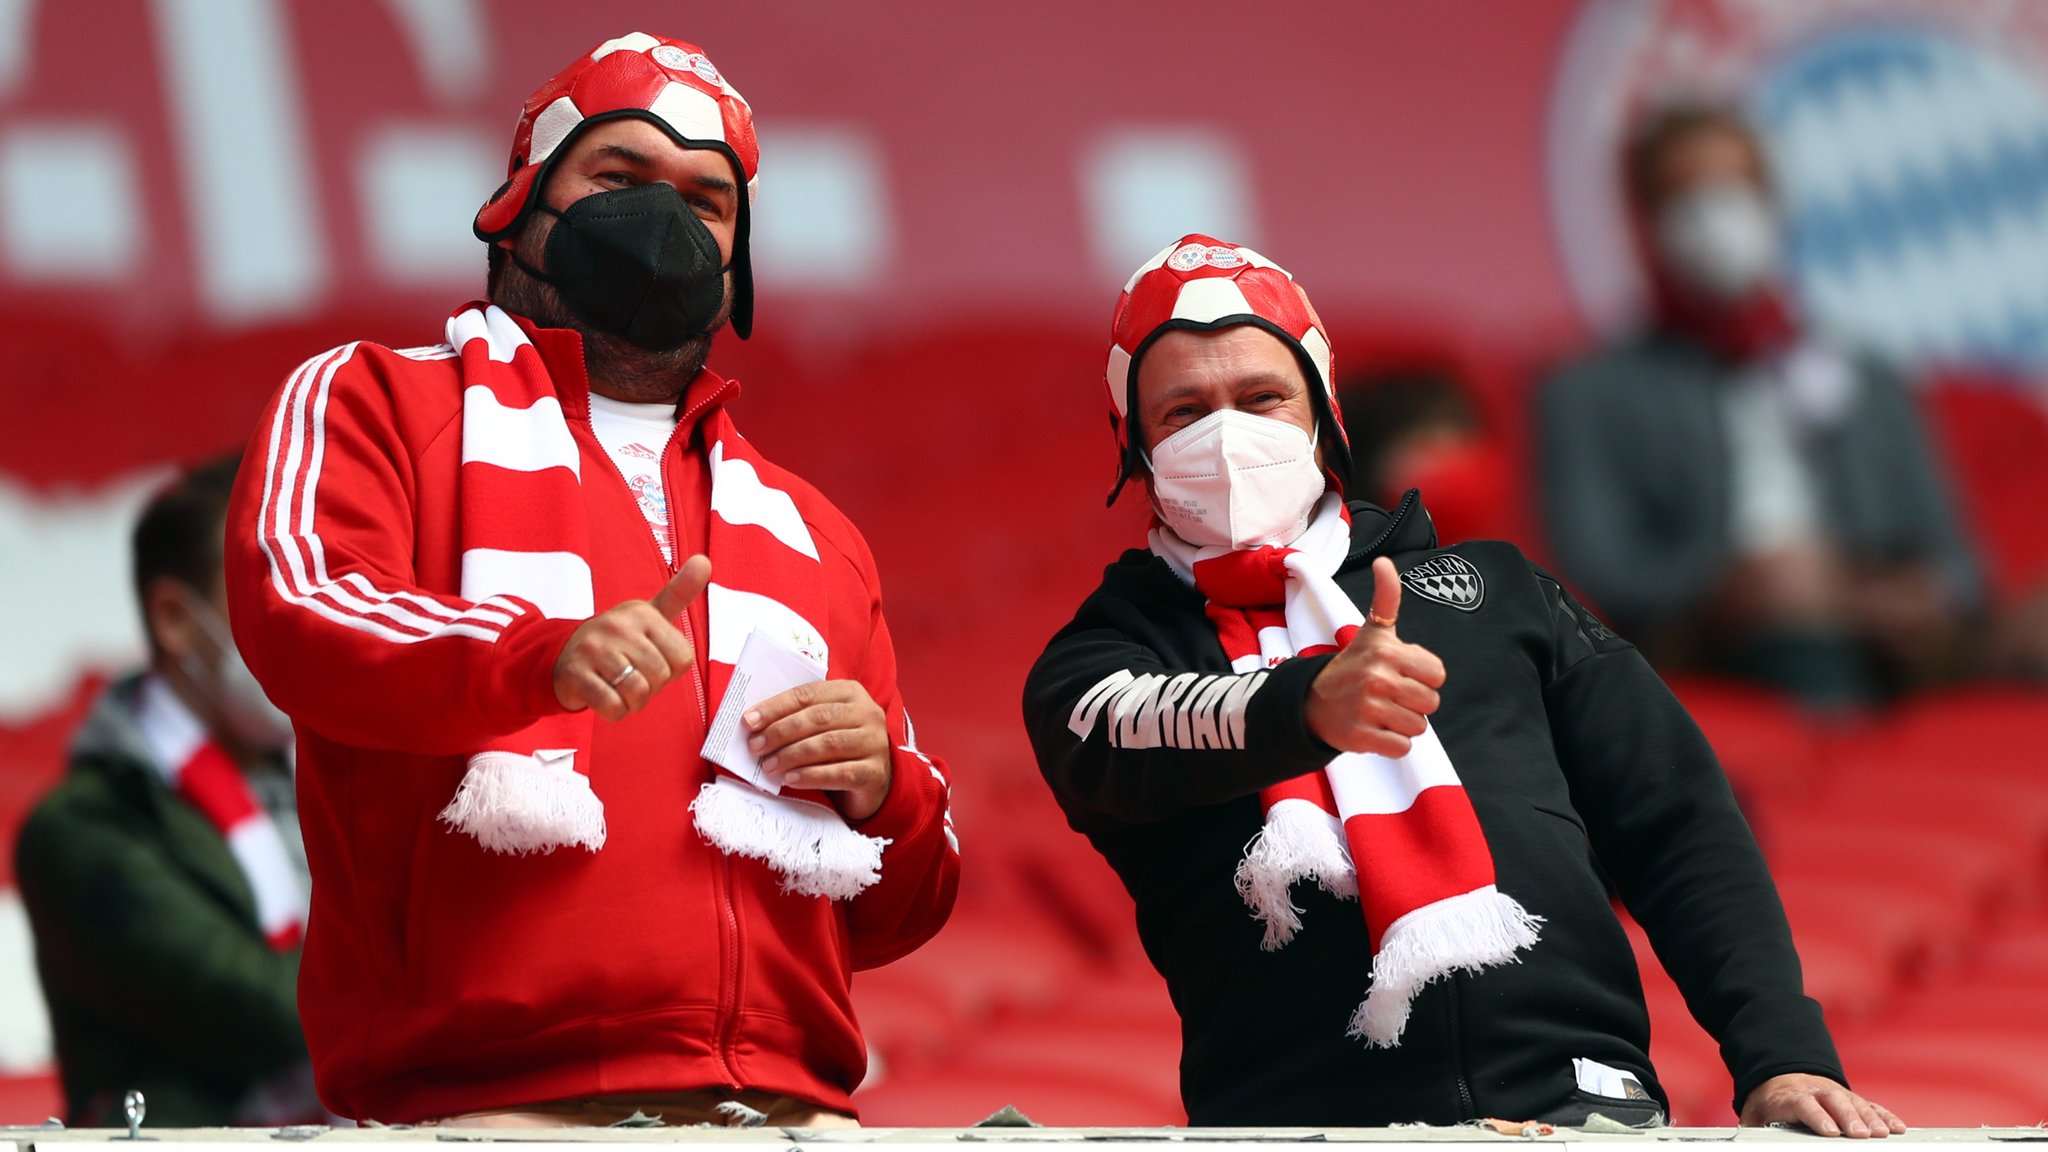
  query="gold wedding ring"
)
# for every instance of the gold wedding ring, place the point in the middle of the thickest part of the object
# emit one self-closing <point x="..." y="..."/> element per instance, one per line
<point x="1376" y="620"/>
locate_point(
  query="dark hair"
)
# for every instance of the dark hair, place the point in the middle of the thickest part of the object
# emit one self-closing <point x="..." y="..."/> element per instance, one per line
<point x="1665" y="128"/>
<point x="1386" y="406"/>
<point x="183" y="529"/>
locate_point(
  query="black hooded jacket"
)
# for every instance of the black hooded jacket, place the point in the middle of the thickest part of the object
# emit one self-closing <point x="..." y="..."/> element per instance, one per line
<point x="1578" y="761"/>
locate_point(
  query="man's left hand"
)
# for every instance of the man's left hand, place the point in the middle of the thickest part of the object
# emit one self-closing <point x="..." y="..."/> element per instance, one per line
<point x="1821" y="1105"/>
<point x="830" y="736"/>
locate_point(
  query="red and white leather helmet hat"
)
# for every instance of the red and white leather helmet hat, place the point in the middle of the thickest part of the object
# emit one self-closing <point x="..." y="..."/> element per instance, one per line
<point x="668" y="83"/>
<point x="1203" y="284"/>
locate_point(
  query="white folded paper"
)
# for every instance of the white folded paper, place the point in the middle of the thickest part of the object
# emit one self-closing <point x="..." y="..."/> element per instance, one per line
<point x="766" y="668"/>
<point x="1607" y="1080"/>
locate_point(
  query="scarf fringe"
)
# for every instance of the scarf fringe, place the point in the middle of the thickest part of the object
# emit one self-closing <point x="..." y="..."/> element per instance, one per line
<point x="1298" y="842"/>
<point x="1469" y="931"/>
<point x="809" y="844"/>
<point x="516" y="804"/>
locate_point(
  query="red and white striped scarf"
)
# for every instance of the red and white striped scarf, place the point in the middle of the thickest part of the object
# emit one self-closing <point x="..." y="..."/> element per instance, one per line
<point x="525" y="542"/>
<point x="202" y="774"/>
<point x="1398" y="834"/>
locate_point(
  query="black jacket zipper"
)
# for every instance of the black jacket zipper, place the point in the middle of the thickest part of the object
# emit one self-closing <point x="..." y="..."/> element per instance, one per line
<point x="1467" y="1109"/>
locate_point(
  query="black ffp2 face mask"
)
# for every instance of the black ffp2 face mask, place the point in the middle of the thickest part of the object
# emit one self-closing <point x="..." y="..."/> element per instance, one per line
<point x="637" y="263"/>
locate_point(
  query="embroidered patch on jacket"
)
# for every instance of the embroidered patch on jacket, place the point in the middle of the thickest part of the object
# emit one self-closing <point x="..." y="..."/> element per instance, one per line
<point x="1448" y="580"/>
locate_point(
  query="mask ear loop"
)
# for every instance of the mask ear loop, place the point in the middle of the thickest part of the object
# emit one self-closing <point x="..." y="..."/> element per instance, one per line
<point x="523" y="266"/>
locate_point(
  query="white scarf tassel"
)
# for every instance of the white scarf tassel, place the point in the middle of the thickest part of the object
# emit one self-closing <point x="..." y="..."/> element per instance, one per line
<point x="518" y="804"/>
<point x="1298" y="842"/>
<point x="810" y="845"/>
<point x="1472" y="930"/>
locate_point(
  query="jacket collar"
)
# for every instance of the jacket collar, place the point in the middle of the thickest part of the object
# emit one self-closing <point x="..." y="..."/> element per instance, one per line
<point x="1377" y="531"/>
<point x="112" y="745"/>
<point x="561" y="350"/>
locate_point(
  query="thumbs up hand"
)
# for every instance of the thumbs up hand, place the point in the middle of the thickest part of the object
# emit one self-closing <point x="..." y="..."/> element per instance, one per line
<point x="618" y="659"/>
<point x="1374" y="695"/>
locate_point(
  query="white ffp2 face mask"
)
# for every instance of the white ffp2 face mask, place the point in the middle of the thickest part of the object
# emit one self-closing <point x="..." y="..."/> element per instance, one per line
<point x="1235" y="480"/>
<point x="1721" y="240"/>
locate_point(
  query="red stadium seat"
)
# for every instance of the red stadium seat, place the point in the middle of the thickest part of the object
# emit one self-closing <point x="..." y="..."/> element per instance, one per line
<point x="1143" y="1059"/>
<point x="1931" y="1095"/>
<point x="31" y="1098"/>
<point x="2013" y="1057"/>
<point x="1984" y="733"/>
<point x="1860" y="940"/>
<point x="1077" y="887"/>
<point x="1883" y="790"/>
<point x="1999" y="1001"/>
<point x="1766" y="743"/>
<point x="903" y="1017"/>
<point x="1995" y="435"/>
<point x="1133" y="997"/>
<point x="2013" y="951"/>
<point x="1961" y="867"/>
<point x="1695" y="1080"/>
<point x="985" y="963"/>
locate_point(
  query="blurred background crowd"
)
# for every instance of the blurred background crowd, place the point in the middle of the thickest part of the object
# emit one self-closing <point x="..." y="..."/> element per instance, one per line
<point x="1732" y="313"/>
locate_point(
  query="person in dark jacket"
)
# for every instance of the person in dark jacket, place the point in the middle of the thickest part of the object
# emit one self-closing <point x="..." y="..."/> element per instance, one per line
<point x="1331" y="760"/>
<point x="164" y="878"/>
<point x="1734" y="488"/>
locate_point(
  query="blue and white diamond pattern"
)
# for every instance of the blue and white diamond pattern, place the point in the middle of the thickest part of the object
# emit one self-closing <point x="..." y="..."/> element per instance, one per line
<point x="1914" y="168"/>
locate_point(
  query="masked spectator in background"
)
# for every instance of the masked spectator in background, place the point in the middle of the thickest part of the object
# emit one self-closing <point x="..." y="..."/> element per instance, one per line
<point x="1416" y="427"/>
<point x="165" y="877"/>
<point x="1732" y="489"/>
<point x="476" y="576"/>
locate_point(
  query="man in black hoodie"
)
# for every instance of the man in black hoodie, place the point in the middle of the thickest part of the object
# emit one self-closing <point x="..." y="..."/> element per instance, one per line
<point x="1285" y="689"/>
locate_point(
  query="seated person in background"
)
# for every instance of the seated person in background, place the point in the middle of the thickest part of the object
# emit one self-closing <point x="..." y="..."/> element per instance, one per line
<point x="165" y="879"/>
<point x="1416" y="427"/>
<point x="1732" y="490"/>
<point x="1308" y="805"/>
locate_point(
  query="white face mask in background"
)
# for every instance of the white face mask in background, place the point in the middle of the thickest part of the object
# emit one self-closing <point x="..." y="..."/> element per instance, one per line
<point x="1720" y="240"/>
<point x="1235" y="480"/>
<point x="249" y="716"/>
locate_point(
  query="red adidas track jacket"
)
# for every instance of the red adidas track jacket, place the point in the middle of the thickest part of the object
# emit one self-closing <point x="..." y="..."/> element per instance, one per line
<point x="440" y="979"/>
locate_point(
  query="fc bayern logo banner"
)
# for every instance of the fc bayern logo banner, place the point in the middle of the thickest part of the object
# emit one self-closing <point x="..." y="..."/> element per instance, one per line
<point x="1908" y="139"/>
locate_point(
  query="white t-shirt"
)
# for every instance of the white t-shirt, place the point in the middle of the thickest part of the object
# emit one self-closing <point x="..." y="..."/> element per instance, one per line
<point x="1769" y="413"/>
<point x="634" y="436"/>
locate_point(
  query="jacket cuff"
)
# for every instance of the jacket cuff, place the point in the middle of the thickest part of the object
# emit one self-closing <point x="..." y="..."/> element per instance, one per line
<point x="1774" y="1035"/>
<point x="530" y="656"/>
<point x="1756" y="1079"/>
<point x="1276" y="722"/>
<point x="913" y="802"/>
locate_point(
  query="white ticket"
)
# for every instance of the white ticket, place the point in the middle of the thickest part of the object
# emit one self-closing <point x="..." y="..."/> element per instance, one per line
<point x="766" y="668"/>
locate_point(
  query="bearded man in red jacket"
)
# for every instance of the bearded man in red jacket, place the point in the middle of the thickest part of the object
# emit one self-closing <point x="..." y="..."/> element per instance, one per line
<point x="570" y="864"/>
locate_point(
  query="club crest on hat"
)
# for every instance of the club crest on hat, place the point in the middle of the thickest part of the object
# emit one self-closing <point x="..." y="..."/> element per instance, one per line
<point x="671" y="57"/>
<point x="1189" y="257"/>
<point x="1448" y="580"/>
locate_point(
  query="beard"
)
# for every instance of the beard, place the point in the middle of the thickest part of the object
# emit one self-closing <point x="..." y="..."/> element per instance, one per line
<point x="618" y="368"/>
